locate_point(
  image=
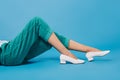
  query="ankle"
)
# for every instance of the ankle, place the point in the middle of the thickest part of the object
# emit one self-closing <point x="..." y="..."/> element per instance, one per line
<point x="71" y="55"/>
<point x="93" y="50"/>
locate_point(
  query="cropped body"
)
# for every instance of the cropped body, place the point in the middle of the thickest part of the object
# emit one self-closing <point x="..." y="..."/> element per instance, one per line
<point x="29" y="43"/>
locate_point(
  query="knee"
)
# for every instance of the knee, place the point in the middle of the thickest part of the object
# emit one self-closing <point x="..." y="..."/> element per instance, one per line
<point x="37" y="19"/>
<point x="34" y="23"/>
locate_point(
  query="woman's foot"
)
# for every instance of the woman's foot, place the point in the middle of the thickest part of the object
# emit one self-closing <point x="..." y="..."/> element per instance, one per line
<point x="92" y="54"/>
<point x="65" y="58"/>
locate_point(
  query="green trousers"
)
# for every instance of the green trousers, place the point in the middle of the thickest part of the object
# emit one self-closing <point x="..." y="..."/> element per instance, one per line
<point x="29" y="43"/>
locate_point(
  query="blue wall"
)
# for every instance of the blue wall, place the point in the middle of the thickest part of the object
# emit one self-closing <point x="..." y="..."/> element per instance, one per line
<point x="91" y="22"/>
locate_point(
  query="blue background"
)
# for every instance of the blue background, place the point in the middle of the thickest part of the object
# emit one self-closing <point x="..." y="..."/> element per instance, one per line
<point x="92" y="22"/>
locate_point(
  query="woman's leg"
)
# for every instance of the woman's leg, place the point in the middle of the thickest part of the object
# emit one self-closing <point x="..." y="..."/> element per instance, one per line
<point x="14" y="52"/>
<point x="73" y="45"/>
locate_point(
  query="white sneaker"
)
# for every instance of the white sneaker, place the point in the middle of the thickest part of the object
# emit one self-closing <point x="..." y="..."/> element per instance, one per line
<point x="64" y="58"/>
<point x="90" y="55"/>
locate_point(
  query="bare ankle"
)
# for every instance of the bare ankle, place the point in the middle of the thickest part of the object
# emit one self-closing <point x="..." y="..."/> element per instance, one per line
<point x="93" y="50"/>
<point x="71" y="55"/>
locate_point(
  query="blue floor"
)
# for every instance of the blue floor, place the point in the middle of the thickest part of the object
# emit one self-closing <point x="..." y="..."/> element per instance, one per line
<point x="47" y="67"/>
<point x="92" y="22"/>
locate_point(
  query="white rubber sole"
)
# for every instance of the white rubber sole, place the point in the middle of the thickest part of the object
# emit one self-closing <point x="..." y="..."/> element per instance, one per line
<point x="64" y="59"/>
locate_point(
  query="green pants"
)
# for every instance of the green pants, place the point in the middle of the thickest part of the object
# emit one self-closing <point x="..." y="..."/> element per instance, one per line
<point x="29" y="43"/>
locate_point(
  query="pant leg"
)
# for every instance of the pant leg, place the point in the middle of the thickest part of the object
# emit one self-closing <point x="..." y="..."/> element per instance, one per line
<point x="31" y="42"/>
<point x="37" y="48"/>
<point x="14" y="52"/>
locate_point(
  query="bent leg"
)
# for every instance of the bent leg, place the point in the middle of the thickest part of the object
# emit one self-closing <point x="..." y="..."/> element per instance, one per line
<point x="14" y="52"/>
